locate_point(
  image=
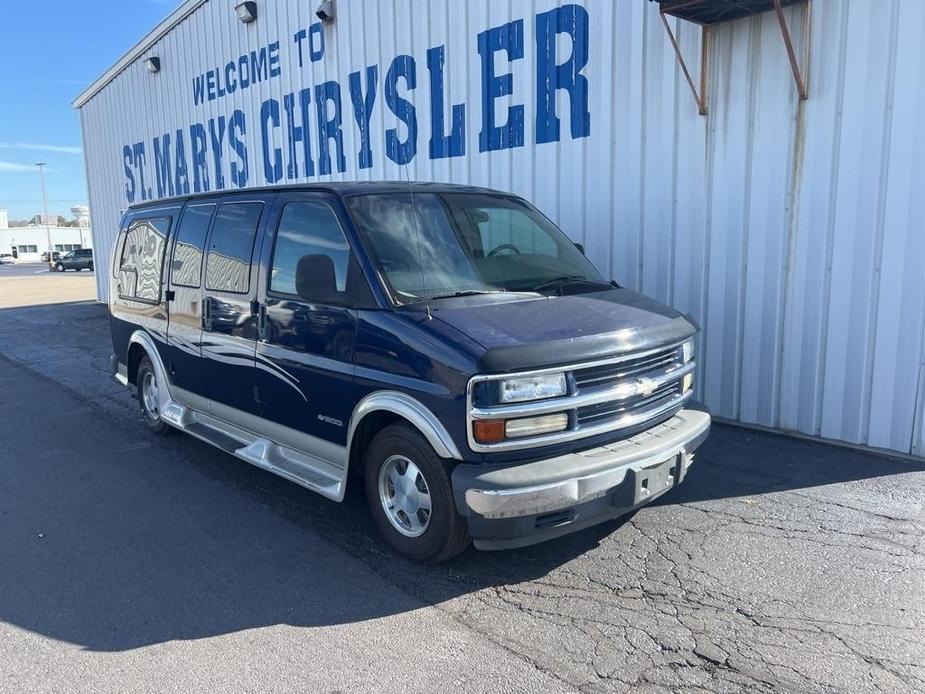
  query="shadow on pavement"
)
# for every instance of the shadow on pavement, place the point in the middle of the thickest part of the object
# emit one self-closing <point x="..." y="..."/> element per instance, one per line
<point x="112" y="540"/>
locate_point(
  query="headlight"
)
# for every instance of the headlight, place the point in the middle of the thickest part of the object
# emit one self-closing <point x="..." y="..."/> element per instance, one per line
<point x="687" y="351"/>
<point x="532" y="388"/>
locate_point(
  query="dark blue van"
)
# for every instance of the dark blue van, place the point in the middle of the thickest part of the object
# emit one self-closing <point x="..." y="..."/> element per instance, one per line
<point x="446" y="346"/>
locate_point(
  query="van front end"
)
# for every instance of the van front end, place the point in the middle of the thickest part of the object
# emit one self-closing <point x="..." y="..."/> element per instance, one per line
<point x="639" y="402"/>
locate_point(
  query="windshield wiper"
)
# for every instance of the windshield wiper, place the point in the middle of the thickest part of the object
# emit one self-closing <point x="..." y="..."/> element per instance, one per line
<point x="464" y="292"/>
<point x="567" y="279"/>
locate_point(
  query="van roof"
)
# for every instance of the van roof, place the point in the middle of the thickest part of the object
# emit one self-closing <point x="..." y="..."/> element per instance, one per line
<point x="344" y="188"/>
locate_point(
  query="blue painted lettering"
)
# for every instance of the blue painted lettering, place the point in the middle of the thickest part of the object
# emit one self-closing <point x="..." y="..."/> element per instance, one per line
<point x="237" y="128"/>
<point x="162" y="165"/>
<point x="363" y="110"/>
<point x="401" y="152"/>
<point x="217" y="137"/>
<point x="129" y="163"/>
<point x="180" y="175"/>
<point x="298" y="133"/>
<point x="509" y="38"/>
<point x="551" y="76"/>
<point x="329" y="128"/>
<point x="197" y="136"/>
<point x="454" y="144"/>
<point x="269" y="119"/>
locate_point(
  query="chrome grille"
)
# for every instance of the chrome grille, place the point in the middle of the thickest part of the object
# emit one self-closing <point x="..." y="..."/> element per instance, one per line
<point x="604" y="396"/>
<point x="615" y="409"/>
<point x="606" y="374"/>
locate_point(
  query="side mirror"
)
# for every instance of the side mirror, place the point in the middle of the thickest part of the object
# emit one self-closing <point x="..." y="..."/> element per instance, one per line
<point x="315" y="279"/>
<point x="580" y="247"/>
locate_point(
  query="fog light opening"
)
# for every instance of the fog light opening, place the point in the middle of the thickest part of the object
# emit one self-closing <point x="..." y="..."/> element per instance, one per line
<point x="534" y="426"/>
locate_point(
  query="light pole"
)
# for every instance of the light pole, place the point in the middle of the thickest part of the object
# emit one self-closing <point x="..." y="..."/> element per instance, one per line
<point x="41" y="166"/>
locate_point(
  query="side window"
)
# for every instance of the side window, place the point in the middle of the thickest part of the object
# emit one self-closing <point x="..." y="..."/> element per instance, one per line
<point x="228" y="265"/>
<point x="186" y="268"/>
<point x="310" y="229"/>
<point x="142" y="260"/>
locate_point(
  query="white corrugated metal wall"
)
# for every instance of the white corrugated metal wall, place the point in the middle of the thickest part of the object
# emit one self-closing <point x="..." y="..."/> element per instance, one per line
<point x="791" y="230"/>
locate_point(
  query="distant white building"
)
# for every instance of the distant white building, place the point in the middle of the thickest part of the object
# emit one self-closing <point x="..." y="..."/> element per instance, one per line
<point x="28" y="243"/>
<point x="42" y="219"/>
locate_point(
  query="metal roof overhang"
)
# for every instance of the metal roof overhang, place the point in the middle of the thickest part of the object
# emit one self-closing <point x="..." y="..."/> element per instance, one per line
<point x="706" y="13"/>
<point x="716" y="11"/>
<point x="174" y="18"/>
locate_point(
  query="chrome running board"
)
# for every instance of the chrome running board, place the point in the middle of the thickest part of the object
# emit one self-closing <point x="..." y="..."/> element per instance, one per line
<point x="304" y="469"/>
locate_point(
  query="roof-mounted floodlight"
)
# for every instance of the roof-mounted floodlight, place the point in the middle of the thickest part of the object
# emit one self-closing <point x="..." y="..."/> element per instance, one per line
<point x="325" y="12"/>
<point x="153" y="64"/>
<point x="247" y="11"/>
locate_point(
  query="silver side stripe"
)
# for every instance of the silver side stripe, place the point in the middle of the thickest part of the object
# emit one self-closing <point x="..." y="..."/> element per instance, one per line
<point x="231" y="352"/>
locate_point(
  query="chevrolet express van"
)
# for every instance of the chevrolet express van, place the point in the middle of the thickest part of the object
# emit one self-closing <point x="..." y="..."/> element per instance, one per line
<point x="447" y="347"/>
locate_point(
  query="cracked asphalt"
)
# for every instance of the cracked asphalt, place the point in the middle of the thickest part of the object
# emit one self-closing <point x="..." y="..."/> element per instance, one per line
<point x="780" y="565"/>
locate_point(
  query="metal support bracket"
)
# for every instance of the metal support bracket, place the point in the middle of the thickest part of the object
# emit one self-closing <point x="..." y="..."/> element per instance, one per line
<point x="701" y="96"/>
<point x="799" y="76"/>
<point x="800" y="68"/>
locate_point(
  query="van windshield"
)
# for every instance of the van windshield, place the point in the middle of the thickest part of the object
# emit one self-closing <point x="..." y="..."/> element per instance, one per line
<point x="446" y="244"/>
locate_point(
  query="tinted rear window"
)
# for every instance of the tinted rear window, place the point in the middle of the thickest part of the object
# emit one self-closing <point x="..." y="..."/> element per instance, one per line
<point x="142" y="259"/>
<point x="233" y="233"/>
<point x="186" y="268"/>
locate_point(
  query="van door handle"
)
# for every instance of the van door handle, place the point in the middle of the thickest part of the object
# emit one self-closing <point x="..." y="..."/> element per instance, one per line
<point x="262" y="323"/>
<point x="207" y="313"/>
<point x="170" y="295"/>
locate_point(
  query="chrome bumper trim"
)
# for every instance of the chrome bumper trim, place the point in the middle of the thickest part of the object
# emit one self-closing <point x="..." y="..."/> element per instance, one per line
<point x="576" y="478"/>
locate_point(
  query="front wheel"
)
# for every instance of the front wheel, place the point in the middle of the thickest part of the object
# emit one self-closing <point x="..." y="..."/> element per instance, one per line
<point x="59" y="267"/>
<point x="149" y="397"/>
<point x="411" y="498"/>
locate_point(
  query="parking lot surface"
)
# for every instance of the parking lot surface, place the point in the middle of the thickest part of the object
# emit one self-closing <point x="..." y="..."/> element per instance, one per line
<point x="138" y="563"/>
<point x="31" y="284"/>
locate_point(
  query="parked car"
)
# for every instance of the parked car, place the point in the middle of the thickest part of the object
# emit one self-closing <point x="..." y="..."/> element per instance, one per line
<point x="6" y="258"/>
<point x="81" y="259"/>
<point x="448" y="348"/>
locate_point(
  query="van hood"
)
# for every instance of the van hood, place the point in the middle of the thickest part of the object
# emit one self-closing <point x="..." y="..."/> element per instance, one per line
<point x="523" y="333"/>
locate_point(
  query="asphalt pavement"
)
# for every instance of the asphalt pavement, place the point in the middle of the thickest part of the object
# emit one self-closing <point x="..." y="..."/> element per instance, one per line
<point x="24" y="269"/>
<point x="130" y="562"/>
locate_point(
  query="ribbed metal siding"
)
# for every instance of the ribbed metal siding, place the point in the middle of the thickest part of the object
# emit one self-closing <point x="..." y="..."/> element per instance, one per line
<point x="791" y="231"/>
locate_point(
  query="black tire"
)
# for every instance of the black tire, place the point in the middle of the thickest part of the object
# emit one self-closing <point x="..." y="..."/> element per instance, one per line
<point x="59" y="267"/>
<point x="446" y="534"/>
<point x="152" y="420"/>
<point x="90" y="267"/>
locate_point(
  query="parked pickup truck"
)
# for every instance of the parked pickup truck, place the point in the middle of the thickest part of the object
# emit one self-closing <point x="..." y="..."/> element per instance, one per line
<point x="447" y="347"/>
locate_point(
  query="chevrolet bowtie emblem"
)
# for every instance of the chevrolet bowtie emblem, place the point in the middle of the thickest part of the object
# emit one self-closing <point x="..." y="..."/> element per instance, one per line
<point x="645" y="386"/>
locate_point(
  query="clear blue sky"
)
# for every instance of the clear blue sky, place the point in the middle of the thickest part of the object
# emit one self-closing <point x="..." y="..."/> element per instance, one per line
<point x="51" y="50"/>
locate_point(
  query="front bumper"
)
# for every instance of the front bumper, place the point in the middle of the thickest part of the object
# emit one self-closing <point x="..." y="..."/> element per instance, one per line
<point x="516" y="505"/>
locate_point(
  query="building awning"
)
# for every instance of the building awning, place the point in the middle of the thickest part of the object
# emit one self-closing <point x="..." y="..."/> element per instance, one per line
<point x="716" y="11"/>
<point x="706" y="13"/>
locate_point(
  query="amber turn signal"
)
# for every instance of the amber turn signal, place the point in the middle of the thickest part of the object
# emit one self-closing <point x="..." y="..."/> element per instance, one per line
<point x="488" y="430"/>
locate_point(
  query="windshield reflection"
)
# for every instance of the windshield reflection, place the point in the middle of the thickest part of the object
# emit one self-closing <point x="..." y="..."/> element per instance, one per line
<point x="430" y="245"/>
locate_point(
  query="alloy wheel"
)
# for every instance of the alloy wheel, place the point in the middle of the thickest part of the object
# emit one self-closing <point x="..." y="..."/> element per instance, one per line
<point x="405" y="496"/>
